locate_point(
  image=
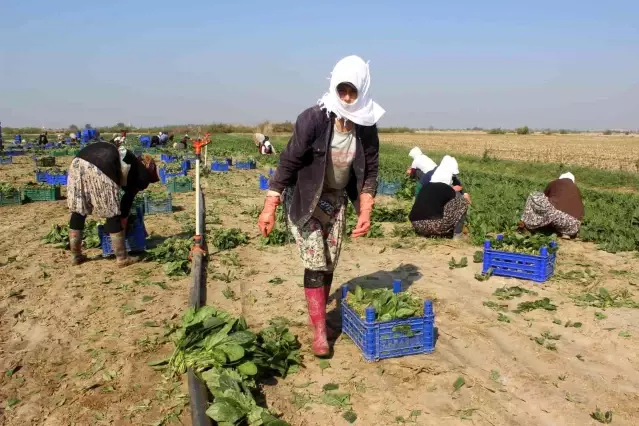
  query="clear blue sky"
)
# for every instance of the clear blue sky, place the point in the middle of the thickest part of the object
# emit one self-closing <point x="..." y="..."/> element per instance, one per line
<point x="455" y="64"/>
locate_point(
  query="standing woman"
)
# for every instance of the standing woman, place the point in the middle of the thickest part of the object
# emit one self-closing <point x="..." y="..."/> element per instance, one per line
<point x="96" y="176"/>
<point x="332" y="156"/>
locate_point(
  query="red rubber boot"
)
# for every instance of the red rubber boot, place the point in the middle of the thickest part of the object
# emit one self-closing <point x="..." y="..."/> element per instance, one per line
<point x="316" y="300"/>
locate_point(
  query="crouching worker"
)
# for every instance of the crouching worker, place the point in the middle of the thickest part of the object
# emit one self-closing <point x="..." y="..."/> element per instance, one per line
<point x="559" y="207"/>
<point x="96" y="176"/>
<point x="438" y="210"/>
<point x="263" y="144"/>
<point x="421" y="164"/>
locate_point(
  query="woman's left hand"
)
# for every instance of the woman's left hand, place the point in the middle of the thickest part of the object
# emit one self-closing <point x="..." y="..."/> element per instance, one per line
<point x="467" y="197"/>
<point x="366" y="202"/>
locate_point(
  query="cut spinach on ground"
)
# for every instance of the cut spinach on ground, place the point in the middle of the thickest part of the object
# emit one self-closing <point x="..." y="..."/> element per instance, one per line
<point x="230" y="359"/>
<point x="174" y="254"/>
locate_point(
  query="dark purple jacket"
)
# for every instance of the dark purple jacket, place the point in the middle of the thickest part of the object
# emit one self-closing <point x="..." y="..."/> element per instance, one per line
<point x="303" y="163"/>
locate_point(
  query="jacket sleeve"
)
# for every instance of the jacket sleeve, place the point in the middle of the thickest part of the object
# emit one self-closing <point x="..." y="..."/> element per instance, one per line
<point x="370" y="140"/>
<point x="292" y="157"/>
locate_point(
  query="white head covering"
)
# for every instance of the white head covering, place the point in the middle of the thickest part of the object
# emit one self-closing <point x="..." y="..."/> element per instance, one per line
<point x="445" y="171"/>
<point x="568" y="175"/>
<point x="421" y="161"/>
<point x="353" y="70"/>
<point x="259" y="138"/>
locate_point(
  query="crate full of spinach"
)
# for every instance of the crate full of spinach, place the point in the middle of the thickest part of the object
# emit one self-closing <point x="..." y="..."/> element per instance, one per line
<point x="387" y="323"/>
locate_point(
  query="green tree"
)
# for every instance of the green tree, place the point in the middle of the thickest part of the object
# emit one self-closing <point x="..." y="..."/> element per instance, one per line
<point x="523" y="130"/>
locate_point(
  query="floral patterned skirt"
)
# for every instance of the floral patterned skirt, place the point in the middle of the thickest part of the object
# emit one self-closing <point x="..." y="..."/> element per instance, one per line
<point x="89" y="191"/>
<point x="540" y="213"/>
<point x="454" y="210"/>
<point x="319" y="242"/>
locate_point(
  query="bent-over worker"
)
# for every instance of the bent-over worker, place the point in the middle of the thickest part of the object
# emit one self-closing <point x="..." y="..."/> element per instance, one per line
<point x="96" y="176"/>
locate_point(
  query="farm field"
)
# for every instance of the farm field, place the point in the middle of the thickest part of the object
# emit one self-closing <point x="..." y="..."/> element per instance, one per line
<point x="77" y="340"/>
<point x="614" y="152"/>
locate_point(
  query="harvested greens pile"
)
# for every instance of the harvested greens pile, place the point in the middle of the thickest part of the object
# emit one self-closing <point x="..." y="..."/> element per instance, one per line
<point x="174" y="167"/>
<point x="59" y="235"/>
<point x="527" y="244"/>
<point x="155" y="195"/>
<point x="388" y="305"/>
<point x="174" y="254"/>
<point x="7" y="190"/>
<point x="229" y="358"/>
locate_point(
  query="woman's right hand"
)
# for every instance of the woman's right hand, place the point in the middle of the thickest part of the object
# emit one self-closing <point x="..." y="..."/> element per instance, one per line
<point x="266" y="220"/>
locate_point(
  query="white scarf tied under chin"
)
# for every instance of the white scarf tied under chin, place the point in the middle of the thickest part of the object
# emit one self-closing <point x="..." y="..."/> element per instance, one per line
<point x="363" y="111"/>
<point x="445" y="171"/>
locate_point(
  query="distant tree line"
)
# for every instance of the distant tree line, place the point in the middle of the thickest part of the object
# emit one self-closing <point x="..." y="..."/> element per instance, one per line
<point x="270" y="128"/>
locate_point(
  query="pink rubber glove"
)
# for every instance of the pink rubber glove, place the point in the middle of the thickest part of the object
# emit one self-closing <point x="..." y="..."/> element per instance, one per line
<point x="366" y="202"/>
<point x="266" y="221"/>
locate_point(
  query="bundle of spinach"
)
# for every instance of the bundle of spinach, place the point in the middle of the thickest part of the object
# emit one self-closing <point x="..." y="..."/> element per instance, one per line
<point x="174" y="167"/>
<point x="527" y="244"/>
<point x="229" y="358"/>
<point x="388" y="305"/>
<point x="156" y="195"/>
<point x="7" y="190"/>
<point x="226" y="239"/>
<point x="174" y="254"/>
<point x="180" y="179"/>
<point x="59" y="236"/>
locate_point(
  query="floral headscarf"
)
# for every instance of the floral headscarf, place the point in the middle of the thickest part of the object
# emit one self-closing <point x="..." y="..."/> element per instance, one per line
<point x="149" y="163"/>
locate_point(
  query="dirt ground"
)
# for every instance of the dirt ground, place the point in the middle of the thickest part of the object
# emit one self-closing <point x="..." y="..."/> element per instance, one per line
<point x="75" y="341"/>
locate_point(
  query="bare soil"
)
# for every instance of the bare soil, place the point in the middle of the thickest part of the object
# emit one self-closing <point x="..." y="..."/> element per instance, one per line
<point x="75" y="341"/>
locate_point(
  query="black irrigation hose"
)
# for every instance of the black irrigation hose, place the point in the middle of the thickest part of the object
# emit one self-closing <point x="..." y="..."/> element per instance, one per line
<point x="198" y="391"/>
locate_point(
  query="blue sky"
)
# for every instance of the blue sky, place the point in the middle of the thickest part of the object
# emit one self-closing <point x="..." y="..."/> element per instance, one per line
<point x="455" y="64"/>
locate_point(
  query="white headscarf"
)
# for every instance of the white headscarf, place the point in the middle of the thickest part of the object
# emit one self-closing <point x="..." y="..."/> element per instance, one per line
<point x="568" y="175"/>
<point x="421" y="161"/>
<point x="445" y="171"/>
<point x="353" y="70"/>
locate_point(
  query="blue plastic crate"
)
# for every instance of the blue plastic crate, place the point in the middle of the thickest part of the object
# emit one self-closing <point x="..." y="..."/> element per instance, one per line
<point x="164" y="175"/>
<point x="145" y="141"/>
<point x="229" y="161"/>
<point x="217" y="166"/>
<point x="538" y="268"/>
<point x="17" y="139"/>
<point x="245" y="165"/>
<point x="56" y="179"/>
<point x="377" y="340"/>
<point x="263" y="183"/>
<point x="41" y="177"/>
<point x="135" y="241"/>
<point x="6" y="160"/>
<point x="186" y="164"/>
<point x="158" y="207"/>
<point x="388" y="188"/>
<point x="13" y="153"/>
<point x="167" y="158"/>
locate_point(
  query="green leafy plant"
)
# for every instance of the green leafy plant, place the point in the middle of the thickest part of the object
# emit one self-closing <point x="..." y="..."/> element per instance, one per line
<point x="463" y="262"/>
<point x="526" y="244"/>
<point x="230" y="359"/>
<point x="173" y="253"/>
<point x="544" y="303"/>
<point x="604" y="299"/>
<point x="478" y="256"/>
<point x="226" y="239"/>
<point x="58" y="235"/>
<point x="509" y="293"/>
<point x="484" y="276"/>
<point x="602" y="417"/>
